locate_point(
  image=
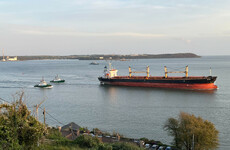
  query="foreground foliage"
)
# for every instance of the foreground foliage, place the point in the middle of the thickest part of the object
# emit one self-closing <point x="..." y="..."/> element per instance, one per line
<point x="83" y="142"/>
<point x="18" y="128"/>
<point x="190" y="131"/>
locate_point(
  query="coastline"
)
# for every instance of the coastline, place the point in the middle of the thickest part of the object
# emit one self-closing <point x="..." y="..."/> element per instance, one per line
<point x="109" y="56"/>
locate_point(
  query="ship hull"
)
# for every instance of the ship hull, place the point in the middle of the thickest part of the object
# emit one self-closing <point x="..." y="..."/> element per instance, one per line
<point x="48" y="86"/>
<point x="193" y="83"/>
<point x="57" y="81"/>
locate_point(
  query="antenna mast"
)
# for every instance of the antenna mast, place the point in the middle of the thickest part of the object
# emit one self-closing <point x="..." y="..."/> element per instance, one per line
<point x="36" y="107"/>
<point x="3" y="57"/>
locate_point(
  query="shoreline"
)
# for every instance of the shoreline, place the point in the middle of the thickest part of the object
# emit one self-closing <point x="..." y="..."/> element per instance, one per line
<point x="108" y="57"/>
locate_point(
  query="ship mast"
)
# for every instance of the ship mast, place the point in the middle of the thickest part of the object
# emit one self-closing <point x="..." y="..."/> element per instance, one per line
<point x="3" y="57"/>
<point x="147" y="71"/>
<point x="130" y="72"/>
<point x="210" y="71"/>
<point x="110" y="66"/>
<point x="185" y="72"/>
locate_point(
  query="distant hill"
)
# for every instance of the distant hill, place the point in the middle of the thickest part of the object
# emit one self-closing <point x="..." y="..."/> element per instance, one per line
<point x="139" y="56"/>
<point x="113" y="57"/>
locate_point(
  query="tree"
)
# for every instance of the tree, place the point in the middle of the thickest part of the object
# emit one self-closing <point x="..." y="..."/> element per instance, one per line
<point x="192" y="133"/>
<point x="18" y="129"/>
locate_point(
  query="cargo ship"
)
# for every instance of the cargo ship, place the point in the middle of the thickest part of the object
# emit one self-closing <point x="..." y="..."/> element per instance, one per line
<point x="110" y="77"/>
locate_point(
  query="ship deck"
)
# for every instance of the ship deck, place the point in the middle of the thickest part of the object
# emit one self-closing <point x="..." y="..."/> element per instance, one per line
<point x="161" y="77"/>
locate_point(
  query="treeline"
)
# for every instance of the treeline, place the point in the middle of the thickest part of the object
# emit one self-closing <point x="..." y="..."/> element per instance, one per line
<point x="139" y="56"/>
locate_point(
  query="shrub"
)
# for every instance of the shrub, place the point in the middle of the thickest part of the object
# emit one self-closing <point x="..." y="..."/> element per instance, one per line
<point x="87" y="141"/>
<point x="144" y="139"/>
<point x="18" y="128"/>
<point x="125" y="146"/>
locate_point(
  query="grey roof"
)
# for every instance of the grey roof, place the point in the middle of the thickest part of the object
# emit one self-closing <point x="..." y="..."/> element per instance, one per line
<point x="69" y="126"/>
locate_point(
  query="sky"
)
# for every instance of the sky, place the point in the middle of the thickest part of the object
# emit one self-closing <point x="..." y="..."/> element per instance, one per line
<point x="74" y="27"/>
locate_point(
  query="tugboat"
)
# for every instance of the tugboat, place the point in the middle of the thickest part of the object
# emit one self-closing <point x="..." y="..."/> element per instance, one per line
<point x="43" y="84"/>
<point x="57" y="80"/>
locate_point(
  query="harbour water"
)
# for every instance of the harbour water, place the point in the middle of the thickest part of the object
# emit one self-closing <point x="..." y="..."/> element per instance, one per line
<point x="132" y="111"/>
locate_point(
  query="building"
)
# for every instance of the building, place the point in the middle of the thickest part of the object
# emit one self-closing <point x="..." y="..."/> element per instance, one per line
<point x="11" y="58"/>
<point x="70" y="131"/>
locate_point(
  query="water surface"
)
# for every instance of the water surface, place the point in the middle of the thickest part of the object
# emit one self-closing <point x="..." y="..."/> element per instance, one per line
<point x="132" y="111"/>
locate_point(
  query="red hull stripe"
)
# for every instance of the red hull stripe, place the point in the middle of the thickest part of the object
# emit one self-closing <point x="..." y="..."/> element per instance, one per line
<point x="204" y="86"/>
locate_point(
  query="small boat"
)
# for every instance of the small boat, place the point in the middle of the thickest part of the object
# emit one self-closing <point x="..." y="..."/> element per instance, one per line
<point x="57" y="80"/>
<point x="94" y="63"/>
<point x="123" y="59"/>
<point x="43" y="84"/>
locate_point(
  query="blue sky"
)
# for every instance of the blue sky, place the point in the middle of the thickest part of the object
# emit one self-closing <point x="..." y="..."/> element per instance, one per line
<point x="57" y="27"/>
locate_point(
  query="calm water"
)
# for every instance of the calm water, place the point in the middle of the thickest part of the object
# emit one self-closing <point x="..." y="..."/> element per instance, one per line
<point x="133" y="112"/>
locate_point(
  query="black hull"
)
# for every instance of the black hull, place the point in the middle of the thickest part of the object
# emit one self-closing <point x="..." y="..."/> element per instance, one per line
<point x="209" y="79"/>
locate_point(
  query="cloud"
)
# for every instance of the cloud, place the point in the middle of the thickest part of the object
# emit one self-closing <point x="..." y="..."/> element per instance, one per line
<point x="184" y="40"/>
<point x="187" y="41"/>
<point x="93" y="34"/>
<point x="226" y="33"/>
<point x="114" y="4"/>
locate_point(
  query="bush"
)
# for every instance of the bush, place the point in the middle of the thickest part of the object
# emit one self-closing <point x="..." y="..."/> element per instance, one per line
<point x="18" y="128"/>
<point x="105" y="147"/>
<point x="54" y="134"/>
<point x="125" y="146"/>
<point x="97" y="131"/>
<point x="84" y="130"/>
<point x="55" y="147"/>
<point x="87" y="141"/>
<point x="144" y="139"/>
